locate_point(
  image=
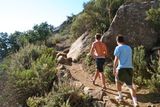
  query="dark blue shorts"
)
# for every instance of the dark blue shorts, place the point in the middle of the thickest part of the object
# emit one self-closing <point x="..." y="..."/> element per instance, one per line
<point x="125" y="75"/>
<point x="100" y="63"/>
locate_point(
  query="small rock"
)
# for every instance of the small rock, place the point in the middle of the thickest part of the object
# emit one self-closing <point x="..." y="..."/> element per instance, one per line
<point x="61" y="67"/>
<point x="77" y="84"/>
<point x="124" y="97"/>
<point x="61" y="54"/>
<point x="105" y="98"/>
<point x="97" y="94"/>
<point x="61" y="60"/>
<point x="99" y="104"/>
<point x="87" y="90"/>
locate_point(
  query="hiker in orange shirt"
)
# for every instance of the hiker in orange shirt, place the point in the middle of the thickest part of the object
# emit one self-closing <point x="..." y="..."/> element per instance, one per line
<point x="99" y="52"/>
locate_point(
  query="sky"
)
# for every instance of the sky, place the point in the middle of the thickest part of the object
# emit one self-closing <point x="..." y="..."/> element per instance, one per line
<point x="22" y="15"/>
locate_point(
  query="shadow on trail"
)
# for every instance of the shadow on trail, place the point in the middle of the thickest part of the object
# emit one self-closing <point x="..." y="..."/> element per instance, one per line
<point x="121" y="103"/>
<point x="150" y="97"/>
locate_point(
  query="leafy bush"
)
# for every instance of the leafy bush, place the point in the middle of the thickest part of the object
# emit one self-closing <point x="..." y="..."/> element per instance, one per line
<point x="109" y="74"/>
<point x="96" y="17"/>
<point x="140" y="65"/>
<point x="53" y="40"/>
<point x="31" y="72"/>
<point x="154" y="82"/>
<point x="82" y="23"/>
<point x="88" y="60"/>
<point x="64" y="96"/>
<point x="146" y="73"/>
<point x="153" y="16"/>
<point x="88" y="63"/>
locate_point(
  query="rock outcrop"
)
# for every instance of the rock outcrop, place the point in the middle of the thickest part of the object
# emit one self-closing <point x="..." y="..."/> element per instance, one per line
<point x="78" y="47"/>
<point x="130" y="22"/>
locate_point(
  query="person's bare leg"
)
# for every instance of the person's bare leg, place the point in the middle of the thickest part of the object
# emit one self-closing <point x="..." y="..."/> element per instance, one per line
<point x="95" y="76"/>
<point x="99" y="76"/>
<point x="103" y="80"/>
<point x="133" y="94"/>
<point x="119" y="89"/>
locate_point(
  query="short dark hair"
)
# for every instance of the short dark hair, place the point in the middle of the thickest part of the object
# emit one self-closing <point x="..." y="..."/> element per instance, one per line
<point x="120" y="39"/>
<point x="98" y="36"/>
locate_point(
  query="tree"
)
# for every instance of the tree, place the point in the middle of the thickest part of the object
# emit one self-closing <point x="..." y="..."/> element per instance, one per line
<point x="43" y="31"/>
<point x="96" y="17"/>
<point x="4" y="44"/>
<point x="15" y="41"/>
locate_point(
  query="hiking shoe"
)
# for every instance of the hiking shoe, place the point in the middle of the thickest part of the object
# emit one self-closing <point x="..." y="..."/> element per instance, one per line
<point x="118" y="98"/>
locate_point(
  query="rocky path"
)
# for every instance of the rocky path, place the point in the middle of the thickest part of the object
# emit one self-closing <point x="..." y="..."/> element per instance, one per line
<point x="108" y="98"/>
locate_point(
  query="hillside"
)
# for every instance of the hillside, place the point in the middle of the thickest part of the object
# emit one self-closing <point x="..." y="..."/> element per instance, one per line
<point x="49" y="67"/>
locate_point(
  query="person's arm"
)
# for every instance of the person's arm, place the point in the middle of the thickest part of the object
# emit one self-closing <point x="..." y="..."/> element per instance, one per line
<point x="91" y="52"/>
<point x="106" y="50"/>
<point x="115" y="65"/>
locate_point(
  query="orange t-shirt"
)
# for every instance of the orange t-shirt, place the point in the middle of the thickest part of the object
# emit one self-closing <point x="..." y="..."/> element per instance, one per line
<point x="99" y="49"/>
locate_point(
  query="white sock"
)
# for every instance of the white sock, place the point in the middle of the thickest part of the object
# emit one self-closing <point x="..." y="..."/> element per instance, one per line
<point x="120" y="94"/>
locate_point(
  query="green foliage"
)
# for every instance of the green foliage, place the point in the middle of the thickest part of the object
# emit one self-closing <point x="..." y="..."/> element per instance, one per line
<point x="153" y="16"/>
<point x="109" y="74"/>
<point x="63" y="96"/>
<point x="154" y="82"/>
<point x="108" y="7"/>
<point x="140" y="64"/>
<point x="13" y="42"/>
<point x="88" y="60"/>
<point x="96" y="17"/>
<point x="41" y="32"/>
<point x="53" y="40"/>
<point x="4" y="40"/>
<point x="88" y="63"/>
<point x="65" y="27"/>
<point x="146" y="73"/>
<point x="31" y="72"/>
<point x="36" y="101"/>
<point x="82" y="23"/>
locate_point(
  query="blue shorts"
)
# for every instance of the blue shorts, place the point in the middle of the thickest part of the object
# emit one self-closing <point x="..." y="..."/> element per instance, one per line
<point x="100" y="63"/>
<point x="125" y="75"/>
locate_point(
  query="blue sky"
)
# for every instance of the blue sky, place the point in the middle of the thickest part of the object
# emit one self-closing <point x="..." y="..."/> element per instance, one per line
<point x="22" y="15"/>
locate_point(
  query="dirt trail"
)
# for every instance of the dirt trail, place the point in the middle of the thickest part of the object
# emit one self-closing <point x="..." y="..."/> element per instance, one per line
<point x="144" y="98"/>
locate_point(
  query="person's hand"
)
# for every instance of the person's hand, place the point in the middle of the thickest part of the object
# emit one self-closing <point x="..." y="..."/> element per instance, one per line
<point x="115" y="73"/>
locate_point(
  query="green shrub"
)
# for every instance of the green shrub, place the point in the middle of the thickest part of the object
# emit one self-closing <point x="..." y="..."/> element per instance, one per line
<point x="31" y="72"/>
<point x="88" y="63"/>
<point x="153" y="16"/>
<point x="146" y="73"/>
<point x="54" y="39"/>
<point x="154" y="82"/>
<point x="36" y="101"/>
<point x="109" y="74"/>
<point x="88" y="60"/>
<point x="140" y="65"/>
<point x="64" y="96"/>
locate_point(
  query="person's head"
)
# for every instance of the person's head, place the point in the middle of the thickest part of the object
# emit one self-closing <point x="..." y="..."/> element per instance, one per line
<point x="98" y="36"/>
<point x="120" y="39"/>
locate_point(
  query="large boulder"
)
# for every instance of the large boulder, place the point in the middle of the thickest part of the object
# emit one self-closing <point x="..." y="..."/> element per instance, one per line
<point x="130" y="22"/>
<point x="78" y="47"/>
